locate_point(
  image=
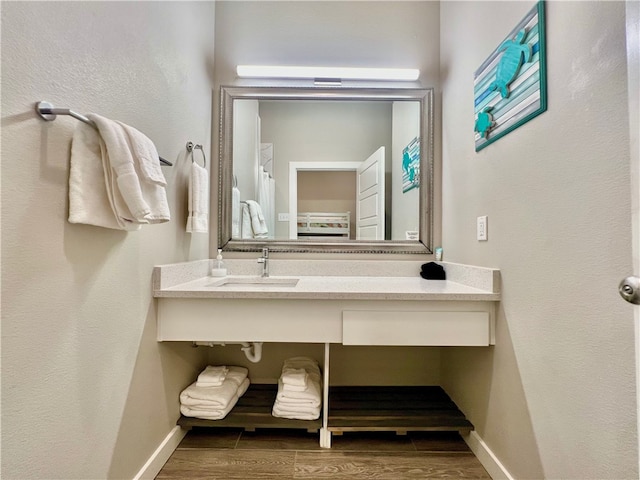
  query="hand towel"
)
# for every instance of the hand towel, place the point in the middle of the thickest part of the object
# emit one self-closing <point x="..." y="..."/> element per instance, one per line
<point x="150" y="176"/>
<point x="134" y="197"/>
<point x="212" y="376"/>
<point x="294" y="377"/>
<point x="307" y="363"/>
<point x="236" y="213"/>
<point x="247" y="230"/>
<point x="127" y="194"/>
<point x="258" y="223"/>
<point x="215" y="397"/>
<point x="89" y="198"/>
<point x="198" y="219"/>
<point x="145" y="152"/>
<point x="215" y="413"/>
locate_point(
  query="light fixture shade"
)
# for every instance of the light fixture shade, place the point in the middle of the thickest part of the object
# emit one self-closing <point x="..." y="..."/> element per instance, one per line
<point x="275" y="71"/>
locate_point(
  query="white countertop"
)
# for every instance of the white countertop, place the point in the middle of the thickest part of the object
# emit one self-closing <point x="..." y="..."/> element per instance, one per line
<point x="332" y="288"/>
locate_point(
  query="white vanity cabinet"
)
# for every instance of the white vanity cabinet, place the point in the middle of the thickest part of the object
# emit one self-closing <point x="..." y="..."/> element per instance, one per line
<point x="342" y="309"/>
<point x="349" y="322"/>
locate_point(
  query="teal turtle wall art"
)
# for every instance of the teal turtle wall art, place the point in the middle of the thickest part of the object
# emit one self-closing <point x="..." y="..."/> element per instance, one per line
<point x="515" y="54"/>
<point x="510" y="86"/>
<point x="484" y="122"/>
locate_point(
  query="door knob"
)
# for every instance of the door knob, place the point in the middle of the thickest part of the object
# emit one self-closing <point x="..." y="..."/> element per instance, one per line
<point x="630" y="289"/>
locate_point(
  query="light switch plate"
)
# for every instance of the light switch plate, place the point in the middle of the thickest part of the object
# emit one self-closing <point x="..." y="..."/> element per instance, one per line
<point x="482" y="233"/>
<point x="283" y="217"/>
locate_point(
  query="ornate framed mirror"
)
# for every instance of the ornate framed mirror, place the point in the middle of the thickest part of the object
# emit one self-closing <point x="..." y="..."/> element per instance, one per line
<point x="326" y="169"/>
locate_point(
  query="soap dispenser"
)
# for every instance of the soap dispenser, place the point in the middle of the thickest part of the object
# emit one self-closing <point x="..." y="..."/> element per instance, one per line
<point x="219" y="269"/>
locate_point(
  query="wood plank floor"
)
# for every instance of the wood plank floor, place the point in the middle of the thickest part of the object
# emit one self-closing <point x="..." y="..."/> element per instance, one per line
<point x="233" y="454"/>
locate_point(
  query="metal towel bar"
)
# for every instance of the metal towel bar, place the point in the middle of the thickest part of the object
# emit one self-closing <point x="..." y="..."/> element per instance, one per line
<point x="48" y="112"/>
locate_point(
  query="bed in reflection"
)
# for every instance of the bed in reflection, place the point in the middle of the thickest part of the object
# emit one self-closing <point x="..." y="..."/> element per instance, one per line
<point x="324" y="224"/>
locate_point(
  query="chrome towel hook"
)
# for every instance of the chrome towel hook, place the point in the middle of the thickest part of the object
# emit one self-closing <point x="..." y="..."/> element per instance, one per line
<point x="191" y="147"/>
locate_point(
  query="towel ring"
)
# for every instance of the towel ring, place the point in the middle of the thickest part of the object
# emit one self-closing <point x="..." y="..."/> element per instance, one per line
<point x="191" y="147"/>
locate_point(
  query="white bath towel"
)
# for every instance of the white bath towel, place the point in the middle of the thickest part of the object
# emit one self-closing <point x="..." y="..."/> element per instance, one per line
<point x="258" y="223"/>
<point x="215" y="413"/>
<point x="198" y="218"/>
<point x="301" y="397"/>
<point x="302" y="414"/>
<point x="212" y="376"/>
<point x="214" y="397"/>
<point x="90" y="201"/>
<point x="310" y="397"/>
<point x="134" y="198"/>
<point x="236" y="213"/>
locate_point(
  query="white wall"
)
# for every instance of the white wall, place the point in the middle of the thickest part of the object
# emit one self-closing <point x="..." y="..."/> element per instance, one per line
<point x="87" y="392"/>
<point x="555" y="398"/>
<point x="405" y="205"/>
<point x="245" y="147"/>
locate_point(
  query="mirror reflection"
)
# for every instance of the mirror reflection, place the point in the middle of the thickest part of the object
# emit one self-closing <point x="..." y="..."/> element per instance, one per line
<point x="325" y="166"/>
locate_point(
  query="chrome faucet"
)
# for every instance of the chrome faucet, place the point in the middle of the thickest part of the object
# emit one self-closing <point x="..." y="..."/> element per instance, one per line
<point x="264" y="260"/>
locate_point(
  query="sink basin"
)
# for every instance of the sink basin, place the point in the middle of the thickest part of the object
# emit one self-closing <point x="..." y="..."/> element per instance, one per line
<point x="255" y="282"/>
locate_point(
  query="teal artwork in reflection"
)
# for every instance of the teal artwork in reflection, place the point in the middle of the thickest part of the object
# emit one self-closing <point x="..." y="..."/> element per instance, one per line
<point x="510" y="87"/>
<point x="411" y="165"/>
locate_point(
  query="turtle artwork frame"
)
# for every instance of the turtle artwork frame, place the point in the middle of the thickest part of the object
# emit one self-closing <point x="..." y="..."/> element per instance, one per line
<point x="510" y="87"/>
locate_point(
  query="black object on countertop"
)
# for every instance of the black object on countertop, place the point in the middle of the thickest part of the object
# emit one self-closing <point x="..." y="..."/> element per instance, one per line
<point x="433" y="271"/>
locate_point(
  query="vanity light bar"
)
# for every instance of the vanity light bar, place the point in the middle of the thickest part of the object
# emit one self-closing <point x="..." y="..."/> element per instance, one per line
<point x="338" y="73"/>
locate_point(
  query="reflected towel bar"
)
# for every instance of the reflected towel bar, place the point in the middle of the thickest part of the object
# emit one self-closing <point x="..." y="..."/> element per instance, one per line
<point x="48" y="112"/>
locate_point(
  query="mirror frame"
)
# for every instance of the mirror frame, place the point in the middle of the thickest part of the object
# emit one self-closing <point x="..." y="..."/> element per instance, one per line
<point x="225" y="178"/>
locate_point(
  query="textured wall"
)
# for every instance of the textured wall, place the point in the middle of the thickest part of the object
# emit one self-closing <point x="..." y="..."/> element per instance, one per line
<point x="555" y="398"/>
<point x="87" y="392"/>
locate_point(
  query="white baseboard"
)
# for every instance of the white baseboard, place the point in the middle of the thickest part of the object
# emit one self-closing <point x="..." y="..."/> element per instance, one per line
<point x="161" y="455"/>
<point x="487" y="458"/>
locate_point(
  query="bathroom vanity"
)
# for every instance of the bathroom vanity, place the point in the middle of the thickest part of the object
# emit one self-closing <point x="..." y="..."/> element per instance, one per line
<point x="374" y="303"/>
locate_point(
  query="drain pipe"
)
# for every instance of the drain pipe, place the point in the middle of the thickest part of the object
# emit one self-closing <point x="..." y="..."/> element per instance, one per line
<point x="252" y="350"/>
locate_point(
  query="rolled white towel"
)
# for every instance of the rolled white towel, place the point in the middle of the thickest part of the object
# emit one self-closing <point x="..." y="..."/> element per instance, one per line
<point x="212" y="376"/>
<point x="208" y="413"/>
<point x="215" y="397"/>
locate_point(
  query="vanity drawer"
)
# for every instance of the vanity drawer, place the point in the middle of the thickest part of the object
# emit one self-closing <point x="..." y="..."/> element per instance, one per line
<point x="429" y="328"/>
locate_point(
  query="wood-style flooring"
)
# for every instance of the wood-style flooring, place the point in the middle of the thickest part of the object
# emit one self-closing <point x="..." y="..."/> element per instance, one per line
<point x="233" y="454"/>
